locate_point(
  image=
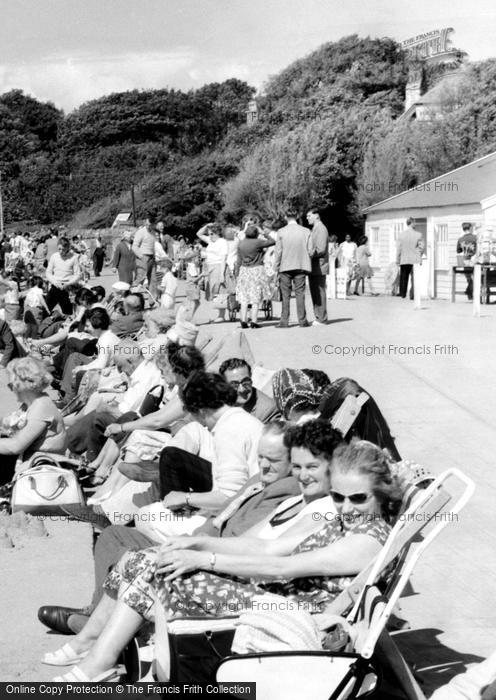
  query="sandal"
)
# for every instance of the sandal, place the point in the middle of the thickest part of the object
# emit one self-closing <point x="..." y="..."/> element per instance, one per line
<point x="65" y="656"/>
<point x="75" y="675"/>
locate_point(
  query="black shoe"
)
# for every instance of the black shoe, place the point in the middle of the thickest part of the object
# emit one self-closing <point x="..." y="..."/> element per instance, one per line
<point x="244" y="324"/>
<point x="254" y="325"/>
<point x="86" y="514"/>
<point x="305" y="324"/>
<point x="356" y="294"/>
<point x="55" y="617"/>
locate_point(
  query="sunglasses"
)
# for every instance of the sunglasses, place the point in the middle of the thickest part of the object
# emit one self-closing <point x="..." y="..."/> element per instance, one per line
<point x="246" y="384"/>
<point x="355" y="499"/>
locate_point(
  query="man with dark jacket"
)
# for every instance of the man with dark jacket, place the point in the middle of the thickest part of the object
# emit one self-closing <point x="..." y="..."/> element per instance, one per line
<point x="408" y="253"/>
<point x="294" y="249"/>
<point x="124" y="260"/>
<point x="320" y="267"/>
<point x="133" y="320"/>
<point x="252" y="504"/>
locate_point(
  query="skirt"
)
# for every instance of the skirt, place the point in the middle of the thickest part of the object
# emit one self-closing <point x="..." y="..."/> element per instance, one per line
<point x="251" y="285"/>
<point x="214" y="280"/>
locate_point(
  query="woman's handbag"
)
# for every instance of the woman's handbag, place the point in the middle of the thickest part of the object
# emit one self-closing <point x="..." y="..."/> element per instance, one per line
<point x="46" y="488"/>
<point x="152" y="400"/>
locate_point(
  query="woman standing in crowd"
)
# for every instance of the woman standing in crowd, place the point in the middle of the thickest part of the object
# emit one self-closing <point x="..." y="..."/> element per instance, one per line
<point x="252" y="278"/>
<point x="347" y="259"/>
<point x="215" y="257"/>
<point x="365" y="271"/>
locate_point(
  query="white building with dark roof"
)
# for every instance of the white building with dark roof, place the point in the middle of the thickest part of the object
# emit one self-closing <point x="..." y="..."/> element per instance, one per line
<point x="439" y="207"/>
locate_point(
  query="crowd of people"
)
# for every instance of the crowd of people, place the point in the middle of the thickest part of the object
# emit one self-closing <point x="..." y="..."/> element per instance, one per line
<point x="184" y="446"/>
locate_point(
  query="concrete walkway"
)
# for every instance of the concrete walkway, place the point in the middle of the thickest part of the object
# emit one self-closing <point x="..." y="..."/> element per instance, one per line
<point x="431" y="373"/>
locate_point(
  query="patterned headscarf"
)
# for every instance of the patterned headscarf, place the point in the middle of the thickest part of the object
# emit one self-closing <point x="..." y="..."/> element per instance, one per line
<point x="300" y="389"/>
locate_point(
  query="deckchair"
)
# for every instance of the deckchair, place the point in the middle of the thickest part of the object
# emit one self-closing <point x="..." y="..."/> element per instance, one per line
<point x="336" y="676"/>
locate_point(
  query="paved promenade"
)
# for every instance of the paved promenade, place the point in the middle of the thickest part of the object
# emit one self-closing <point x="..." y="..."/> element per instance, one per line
<point x="431" y="372"/>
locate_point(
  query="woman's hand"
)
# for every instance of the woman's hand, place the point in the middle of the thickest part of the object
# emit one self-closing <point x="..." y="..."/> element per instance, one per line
<point x="113" y="429"/>
<point x="177" y="562"/>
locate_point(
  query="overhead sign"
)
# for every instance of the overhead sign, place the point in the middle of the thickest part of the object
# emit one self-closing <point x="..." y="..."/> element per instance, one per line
<point x="428" y="45"/>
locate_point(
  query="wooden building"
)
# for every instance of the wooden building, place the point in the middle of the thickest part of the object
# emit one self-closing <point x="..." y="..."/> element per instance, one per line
<point x="439" y="207"/>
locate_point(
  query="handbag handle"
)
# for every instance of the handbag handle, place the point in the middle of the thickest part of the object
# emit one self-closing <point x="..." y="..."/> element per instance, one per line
<point x="61" y="485"/>
<point x="43" y="459"/>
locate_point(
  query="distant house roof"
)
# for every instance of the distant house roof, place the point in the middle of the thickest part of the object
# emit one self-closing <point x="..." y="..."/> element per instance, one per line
<point x="466" y="185"/>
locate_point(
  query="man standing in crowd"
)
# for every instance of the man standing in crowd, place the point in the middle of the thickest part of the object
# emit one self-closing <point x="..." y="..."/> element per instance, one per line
<point x="124" y="259"/>
<point x="320" y="267"/>
<point x="409" y="253"/>
<point x="62" y="272"/>
<point x="144" y="249"/>
<point x="294" y="250"/>
<point x="467" y="246"/>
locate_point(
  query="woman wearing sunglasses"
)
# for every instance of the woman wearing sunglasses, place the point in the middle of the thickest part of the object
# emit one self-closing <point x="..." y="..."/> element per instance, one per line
<point x="38" y="425"/>
<point x="230" y="571"/>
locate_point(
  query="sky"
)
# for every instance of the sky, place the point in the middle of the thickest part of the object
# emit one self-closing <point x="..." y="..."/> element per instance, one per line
<point x="72" y="51"/>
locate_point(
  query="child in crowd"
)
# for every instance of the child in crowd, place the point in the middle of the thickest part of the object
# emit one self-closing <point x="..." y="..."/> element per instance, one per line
<point x="168" y="286"/>
<point x="193" y="279"/>
<point x="35" y="306"/>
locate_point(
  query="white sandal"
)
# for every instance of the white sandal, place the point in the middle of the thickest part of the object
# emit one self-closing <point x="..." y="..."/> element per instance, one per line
<point x="75" y="675"/>
<point x="65" y="656"/>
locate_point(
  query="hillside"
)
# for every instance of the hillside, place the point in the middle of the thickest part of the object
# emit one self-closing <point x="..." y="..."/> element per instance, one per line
<point x="328" y="127"/>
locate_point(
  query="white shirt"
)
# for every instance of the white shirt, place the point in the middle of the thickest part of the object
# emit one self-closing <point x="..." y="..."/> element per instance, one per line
<point x="169" y="287"/>
<point x="236" y="435"/>
<point x="146" y="376"/>
<point x="216" y="252"/>
<point x="34" y="297"/>
<point x="105" y="349"/>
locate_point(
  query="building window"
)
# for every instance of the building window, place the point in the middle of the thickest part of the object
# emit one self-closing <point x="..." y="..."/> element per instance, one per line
<point x="441" y="246"/>
<point x="393" y="240"/>
<point x="374" y="246"/>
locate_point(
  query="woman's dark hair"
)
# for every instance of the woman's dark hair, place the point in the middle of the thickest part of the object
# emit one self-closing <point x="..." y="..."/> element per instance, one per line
<point x="85" y="297"/>
<point x="184" y="359"/>
<point x="216" y="229"/>
<point x="317" y="436"/>
<point x="64" y="242"/>
<point x="99" y="292"/>
<point x="99" y="319"/>
<point x="366" y="458"/>
<point x="362" y="240"/>
<point x="36" y="281"/>
<point x="370" y="424"/>
<point x="206" y="390"/>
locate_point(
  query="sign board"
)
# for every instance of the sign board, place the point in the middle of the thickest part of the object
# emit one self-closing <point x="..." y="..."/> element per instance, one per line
<point x="428" y="45"/>
<point x="123" y="218"/>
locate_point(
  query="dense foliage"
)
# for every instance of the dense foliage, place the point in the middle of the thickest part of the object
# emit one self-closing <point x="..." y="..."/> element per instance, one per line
<point x="330" y="132"/>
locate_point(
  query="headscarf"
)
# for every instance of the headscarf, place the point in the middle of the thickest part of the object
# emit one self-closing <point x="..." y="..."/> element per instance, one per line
<point x="369" y="425"/>
<point x="300" y="389"/>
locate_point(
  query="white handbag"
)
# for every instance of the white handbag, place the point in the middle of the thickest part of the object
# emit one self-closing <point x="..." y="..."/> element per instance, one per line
<point x="45" y="487"/>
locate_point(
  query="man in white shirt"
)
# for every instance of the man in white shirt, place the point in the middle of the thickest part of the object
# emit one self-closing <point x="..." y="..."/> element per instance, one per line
<point x="62" y="272"/>
<point x="144" y="247"/>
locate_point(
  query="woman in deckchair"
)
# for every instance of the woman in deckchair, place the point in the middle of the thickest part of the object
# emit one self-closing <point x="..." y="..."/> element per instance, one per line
<point x="312" y="572"/>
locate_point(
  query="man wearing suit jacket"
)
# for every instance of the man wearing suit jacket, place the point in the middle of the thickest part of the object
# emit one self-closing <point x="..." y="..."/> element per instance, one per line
<point x="125" y="259"/>
<point x="292" y="260"/>
<point x="320" y="267"/>
<point x="249" y="506"/>
<point x="408" y="253"/>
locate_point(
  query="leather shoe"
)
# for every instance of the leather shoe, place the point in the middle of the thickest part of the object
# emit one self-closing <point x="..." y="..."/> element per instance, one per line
<point x="305" y="324"/>
<point x="55" y="617"/>
<point x="143" y="471"/>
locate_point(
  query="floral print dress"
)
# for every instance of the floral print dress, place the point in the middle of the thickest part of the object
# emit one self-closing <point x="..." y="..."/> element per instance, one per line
<point x="207" y="594"/>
